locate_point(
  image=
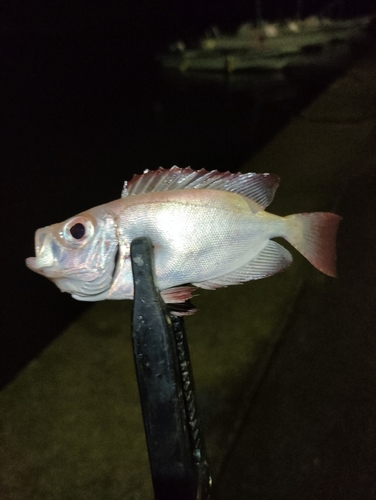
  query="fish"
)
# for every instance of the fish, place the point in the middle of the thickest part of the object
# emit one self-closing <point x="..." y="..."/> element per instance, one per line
<point x="209" y="229"/>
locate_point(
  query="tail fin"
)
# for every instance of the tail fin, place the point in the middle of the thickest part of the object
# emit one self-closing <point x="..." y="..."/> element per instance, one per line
<point x="314" y="236"/>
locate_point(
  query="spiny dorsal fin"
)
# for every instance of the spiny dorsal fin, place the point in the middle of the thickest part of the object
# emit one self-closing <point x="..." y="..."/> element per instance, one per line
<point x="258" y="187"/>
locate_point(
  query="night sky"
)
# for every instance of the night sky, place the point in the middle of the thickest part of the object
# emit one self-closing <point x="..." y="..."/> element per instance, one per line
<point x="144" y="21"/>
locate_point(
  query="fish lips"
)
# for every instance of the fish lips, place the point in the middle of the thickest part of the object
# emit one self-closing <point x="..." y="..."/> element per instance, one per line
<point x="33" y="263"/>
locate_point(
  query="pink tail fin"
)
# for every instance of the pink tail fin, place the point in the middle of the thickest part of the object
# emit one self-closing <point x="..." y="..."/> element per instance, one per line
<point x="314" y="236"/>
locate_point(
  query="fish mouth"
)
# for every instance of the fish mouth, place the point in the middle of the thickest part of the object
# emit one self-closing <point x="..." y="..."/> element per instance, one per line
<point x="33" y="265"/>
<point x="46" y="253"/>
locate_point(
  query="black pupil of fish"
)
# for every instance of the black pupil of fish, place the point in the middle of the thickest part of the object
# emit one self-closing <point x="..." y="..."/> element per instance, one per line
<point x="77" y="231"/>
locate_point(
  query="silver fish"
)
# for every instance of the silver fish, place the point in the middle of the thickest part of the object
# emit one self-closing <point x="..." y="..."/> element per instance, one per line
<point x="208" y="229"/>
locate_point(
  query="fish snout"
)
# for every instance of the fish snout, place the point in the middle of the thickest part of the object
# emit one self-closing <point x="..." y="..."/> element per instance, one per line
<point x="44" y="256"/>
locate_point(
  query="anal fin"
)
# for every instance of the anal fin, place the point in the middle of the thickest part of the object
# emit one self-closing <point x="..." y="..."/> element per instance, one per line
<point x="273" y="259"/>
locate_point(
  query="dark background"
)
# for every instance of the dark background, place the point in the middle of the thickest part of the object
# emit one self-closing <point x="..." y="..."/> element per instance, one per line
<point x="84" y="106"/>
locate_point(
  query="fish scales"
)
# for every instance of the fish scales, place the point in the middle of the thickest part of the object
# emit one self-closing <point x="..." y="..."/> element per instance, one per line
<point x="191" y="233"/>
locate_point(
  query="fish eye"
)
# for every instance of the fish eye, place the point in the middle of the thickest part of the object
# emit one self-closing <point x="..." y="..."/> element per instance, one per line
<point x="77" y="231"/>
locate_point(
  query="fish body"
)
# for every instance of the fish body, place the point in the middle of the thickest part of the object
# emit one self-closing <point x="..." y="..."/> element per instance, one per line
<point x="208" y="229"/>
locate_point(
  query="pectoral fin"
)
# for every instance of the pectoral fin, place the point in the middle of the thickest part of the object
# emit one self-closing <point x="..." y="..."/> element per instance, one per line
<point x="273" y="259"/>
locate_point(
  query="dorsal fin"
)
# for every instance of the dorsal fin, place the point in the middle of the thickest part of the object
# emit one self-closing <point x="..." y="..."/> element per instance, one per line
<point x="258" y="187"/>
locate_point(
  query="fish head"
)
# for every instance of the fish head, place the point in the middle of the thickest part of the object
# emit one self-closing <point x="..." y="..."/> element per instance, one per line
<point x="78" y="255"/>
